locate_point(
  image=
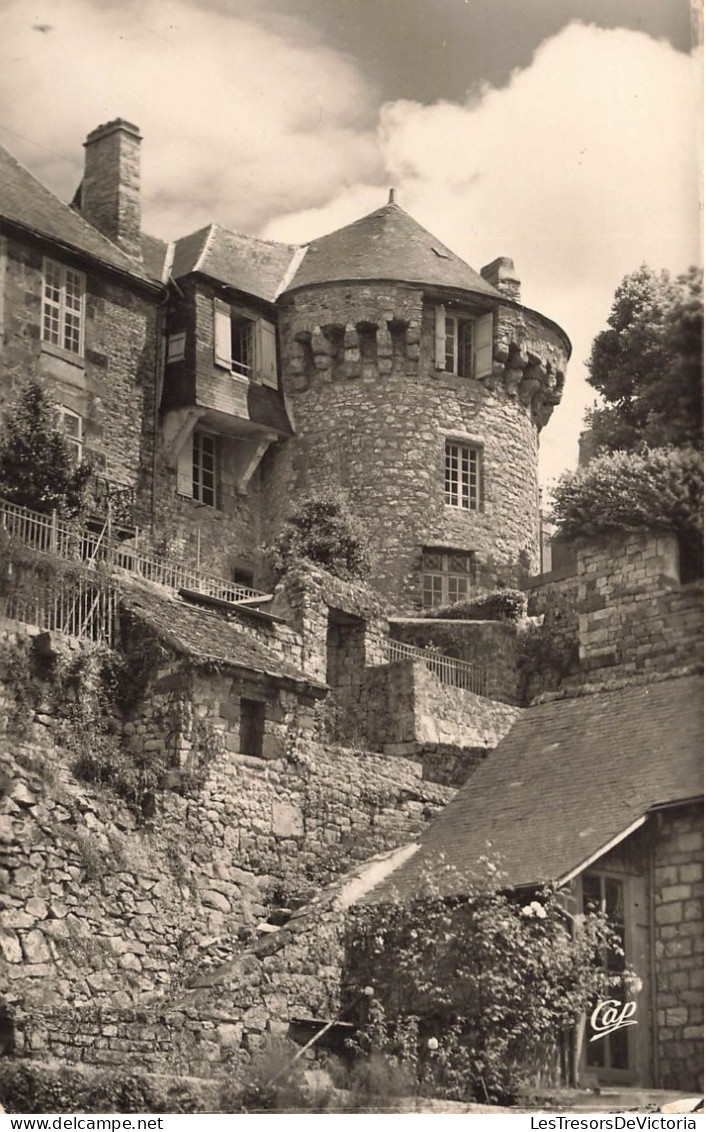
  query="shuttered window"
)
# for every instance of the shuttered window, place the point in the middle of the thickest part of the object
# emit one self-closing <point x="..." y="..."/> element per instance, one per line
<point x="245" y="346"/>
<point x="463" y="345"/>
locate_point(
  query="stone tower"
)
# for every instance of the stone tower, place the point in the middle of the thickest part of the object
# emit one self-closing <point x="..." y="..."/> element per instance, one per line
<point x="419" y="387"/>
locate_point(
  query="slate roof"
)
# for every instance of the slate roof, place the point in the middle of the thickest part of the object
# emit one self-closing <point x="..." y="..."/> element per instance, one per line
<point x="386" y="244"/>
<point x="154" y="257"/>
<point x="25" y="201"/>
<point x="246" y="263"/>
<point x="569" y="778"/>
<point x="206" y="636"/>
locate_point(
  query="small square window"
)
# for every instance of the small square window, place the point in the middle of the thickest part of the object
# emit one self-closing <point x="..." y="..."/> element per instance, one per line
<point x="252" y="727"/>
<point x="63" y="307"/>
<point x="462" y="476"/>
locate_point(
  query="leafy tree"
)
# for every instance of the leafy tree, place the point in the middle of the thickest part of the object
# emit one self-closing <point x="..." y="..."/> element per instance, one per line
<point x="648" y="364"/>
<point x="322" y="531"/>
<point x="37" y="468"/>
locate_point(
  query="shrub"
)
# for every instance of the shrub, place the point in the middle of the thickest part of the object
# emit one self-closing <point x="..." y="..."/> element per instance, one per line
<point x="274" y="1082"/>
<point x="322" y="531"/>
<point x="500" y="605"/>
<point x="30" y="1088"/>
<point x="492" y="978"/>
<point x="546" y="655"/>
<point x="661" y="487"/>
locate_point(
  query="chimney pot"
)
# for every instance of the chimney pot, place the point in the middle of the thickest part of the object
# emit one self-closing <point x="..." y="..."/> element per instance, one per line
<point x="501" y="274"/>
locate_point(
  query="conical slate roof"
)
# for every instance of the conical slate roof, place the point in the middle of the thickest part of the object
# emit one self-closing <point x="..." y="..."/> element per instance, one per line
<point x="386" y="244"/>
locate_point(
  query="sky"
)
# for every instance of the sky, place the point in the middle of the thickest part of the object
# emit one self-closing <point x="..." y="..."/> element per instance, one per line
<point x="565" y="134"/>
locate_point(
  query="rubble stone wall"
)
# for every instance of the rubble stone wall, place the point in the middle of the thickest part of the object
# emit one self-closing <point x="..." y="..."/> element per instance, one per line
<point x="372" y="415"/>
<point x="104" y="907"/>
<point x="111" y="386"/>
<point x="490" y="644"/>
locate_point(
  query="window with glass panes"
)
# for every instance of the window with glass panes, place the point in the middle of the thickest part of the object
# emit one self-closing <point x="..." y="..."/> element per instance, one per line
<point x="606" y="894"/>
<point x="447" y="576"/>
<point x="242" y="344"/>
<point x="63" y="306"/>
<point x="459" y="346"/>
<point x="462" y="476"/>
<point x="205" y="468"/>
<point x="72" y="424"/>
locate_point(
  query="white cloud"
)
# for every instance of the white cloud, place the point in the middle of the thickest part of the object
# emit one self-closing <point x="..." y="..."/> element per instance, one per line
<point x="585" y="165"/>
<point x="240" y="119"/>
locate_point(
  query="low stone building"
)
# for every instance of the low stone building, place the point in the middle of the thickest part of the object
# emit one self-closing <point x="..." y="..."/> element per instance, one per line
<point x="600" y="788"/>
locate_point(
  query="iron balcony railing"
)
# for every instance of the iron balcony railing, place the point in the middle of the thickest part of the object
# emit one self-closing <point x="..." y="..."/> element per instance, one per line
<point x="450" y="671"/>
<point x="52" y="535"/>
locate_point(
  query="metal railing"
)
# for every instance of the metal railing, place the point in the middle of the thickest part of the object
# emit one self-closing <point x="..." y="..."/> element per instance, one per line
<point x="51" y="535"/>
<point x="450" y="671"/>
<point x="75" y="605"/>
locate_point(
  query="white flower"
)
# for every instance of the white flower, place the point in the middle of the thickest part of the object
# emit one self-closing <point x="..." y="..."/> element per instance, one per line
<point x="535" y="909"/>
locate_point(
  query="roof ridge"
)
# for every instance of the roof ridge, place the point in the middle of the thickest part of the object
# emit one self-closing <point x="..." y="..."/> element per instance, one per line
<point x="115" y="248"/>
<point x="168" y="260"/>
<point x="295" y="262"/>
<point x="205" y="246"/>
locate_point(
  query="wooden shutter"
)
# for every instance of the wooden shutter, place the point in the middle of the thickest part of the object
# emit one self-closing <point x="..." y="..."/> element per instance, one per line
<point x="440" y="337"/>
<point x="185" y="468"/>
<point x="222" y="348"/>
<point x="266" y="348"/>
<point x="483" y="346"/>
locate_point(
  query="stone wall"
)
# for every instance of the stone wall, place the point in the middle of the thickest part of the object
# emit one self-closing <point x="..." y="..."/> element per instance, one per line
<point x="208" y="1025"/>
<point x="679" y="945"/>
<point x="102" y="906"/>
<point x="112" y="385"/>
<point x="491" y="644"/>
<point x="371" y="415"/>
<point x="404" y="709"/>
<point x="634" y="616"/>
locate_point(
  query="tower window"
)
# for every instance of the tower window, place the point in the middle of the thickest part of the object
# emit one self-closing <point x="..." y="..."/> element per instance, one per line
<point x="205" y="468"/>
<point x="462" y="476"/>
<point x="463" y="343"/>
<point x="447" y="576"/>
<point x="458" y="346"/>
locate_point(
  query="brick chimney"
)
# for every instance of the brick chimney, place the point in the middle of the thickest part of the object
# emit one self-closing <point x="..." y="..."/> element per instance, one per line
<point x="110" y="190"/>
<point x="501" y="274"/>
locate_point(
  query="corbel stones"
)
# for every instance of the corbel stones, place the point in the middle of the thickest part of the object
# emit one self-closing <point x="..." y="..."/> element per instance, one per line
<point x="534" y="381"/>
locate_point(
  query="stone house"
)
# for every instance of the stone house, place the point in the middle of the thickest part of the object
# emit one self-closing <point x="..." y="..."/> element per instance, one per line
<point x="220" y="375"/>
<point x="212" y="380"/>
<point x="599" y="788"/>
<point x="80" y="311"/>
